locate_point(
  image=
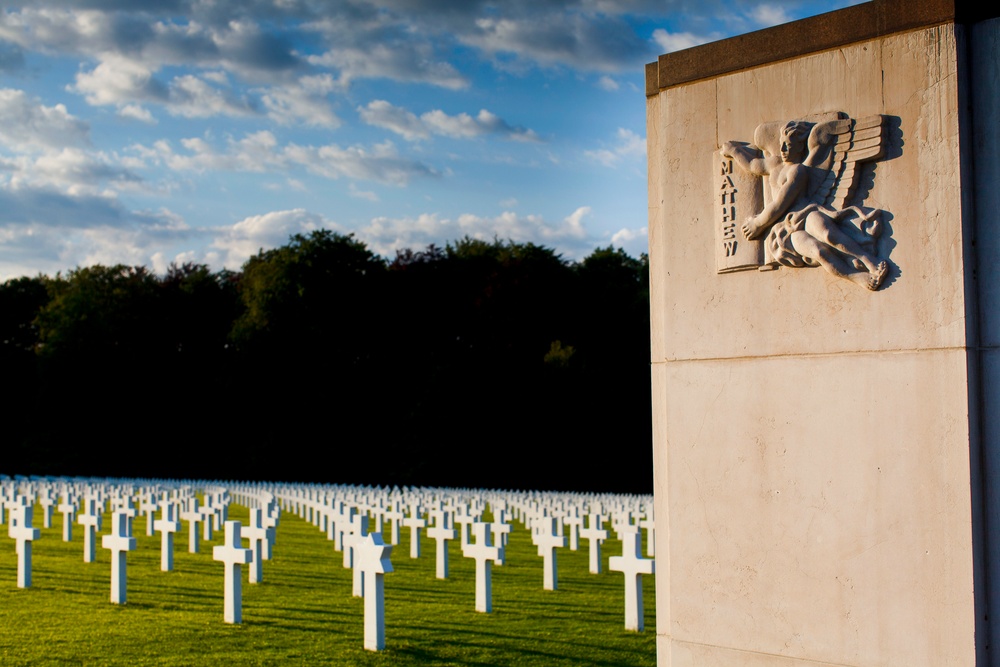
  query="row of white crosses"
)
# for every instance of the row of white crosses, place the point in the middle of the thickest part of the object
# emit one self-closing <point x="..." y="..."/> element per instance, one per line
<point x="120" y="541"/>
<point x="364" y="553"/>
<point x="553" y="525"/>
<point x="343" y="513"/>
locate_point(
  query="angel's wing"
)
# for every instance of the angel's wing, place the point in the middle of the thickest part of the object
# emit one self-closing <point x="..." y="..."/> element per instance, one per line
<point x="835" y="149"/>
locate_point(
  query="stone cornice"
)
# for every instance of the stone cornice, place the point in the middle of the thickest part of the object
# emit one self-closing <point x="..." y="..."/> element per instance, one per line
<point x="832" y="30"/>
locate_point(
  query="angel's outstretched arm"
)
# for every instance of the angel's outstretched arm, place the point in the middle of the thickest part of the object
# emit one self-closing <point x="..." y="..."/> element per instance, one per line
<point x="745" y="157"/>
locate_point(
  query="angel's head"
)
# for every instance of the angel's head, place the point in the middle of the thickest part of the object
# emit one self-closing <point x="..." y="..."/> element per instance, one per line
<point x="793" y="141"/>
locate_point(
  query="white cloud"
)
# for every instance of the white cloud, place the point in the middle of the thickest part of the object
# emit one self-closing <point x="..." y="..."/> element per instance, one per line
<point x="678" y="41"/>
<point x="584" y="41"/>
<point x="192" y="97"/>
<point x="768" y="14"/>
<point x="44" y="230"/>
<point x="259" y="152"/>
<point x="238" y="243"/>
<point x="125" y="83"/>
<point x="138" y="113"/>
<point x="71" y="170"/>
<point x="26" y="124"/>
<point x="410" y="62"/>
<point x="255" y="152"/>
<point x="362" y="194"/>
<point x="302" y="102"/>
<point x="628" y="144"/>
<point x="404" y="123"/>
<point x="386" y="235"/>
<point x="379" y="163"/>
<point x="633" y="241"/>
<point x="460" y="126"/>
<point x="607" y="83"/>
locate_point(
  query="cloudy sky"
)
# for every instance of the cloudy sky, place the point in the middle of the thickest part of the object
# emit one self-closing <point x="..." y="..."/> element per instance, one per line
<point x="158" y="131"/>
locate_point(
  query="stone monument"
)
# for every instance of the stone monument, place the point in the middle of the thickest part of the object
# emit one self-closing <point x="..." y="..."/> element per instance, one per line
<point x="824" y="199"/>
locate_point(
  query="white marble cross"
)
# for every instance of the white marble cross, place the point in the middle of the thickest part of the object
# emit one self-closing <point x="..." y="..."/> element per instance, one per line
<point x="21" y="530"/>
<point x="415" y="522"/>
<point x="148" y="507"/>
<point x="332" y="510"/>
<point x="129" y="509"/>
<point x="393" y="516"/>
<point x="595" y="534"/>
<point x="47" y="501"/>
<point x="633" y="565"/>
<point x="207" y="512"/>
<point x="464" y="518"/>
<point x="271" y="518"/>
<point x="68" y="509"/>
<point x="167" y="525"/>
<point x="483" y="552"/>
<point x="500" y="531"/>
<point x="441" y="532"/>
<point x="90" y="519"/>
<point x="373" y="561"/>
<point x="356" y="535"/>
<point x="119" y="542"/>
<point x="572" y="522"/>
<point x="192" y="516"/>
<point x="547" y="539"/>
<point x="650" y="525"/>
<point x="232" y="555"/>
<point x="256" y="533"/>
<point x="343" y="518"/>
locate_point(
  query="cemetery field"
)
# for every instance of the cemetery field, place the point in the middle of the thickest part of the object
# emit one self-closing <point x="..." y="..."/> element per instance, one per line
<point x="303" y="611"/>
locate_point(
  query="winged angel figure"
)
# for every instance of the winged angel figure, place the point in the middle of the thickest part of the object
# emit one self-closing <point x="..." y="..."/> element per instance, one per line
<point x="810" y="177"/>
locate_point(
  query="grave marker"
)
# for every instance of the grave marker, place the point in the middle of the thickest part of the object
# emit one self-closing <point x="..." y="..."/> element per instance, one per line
<point x="90" y="519"/>
<point x="415" y="522"/>
<point x="441" y="533"/>
<point x="167" y="526"/>
<point x="21" y="530"/>
<point x="192" y="515"/>
<point x="547" y="539"/>
<point x="119" y="543"/>
<point x="68" y="509"/>
<point x="148" y="507"/>
<point x="484" y="553"/>
<point x="633" y="566"/>
<point x="595" y="534"/>
<point x="47" y="501"/>
<point x="232" y="555"/>
<point x="208" y="513"/>
<point x="373" y="562"/>
<point x="256" y="533"/>
<point x="357" y="534"/>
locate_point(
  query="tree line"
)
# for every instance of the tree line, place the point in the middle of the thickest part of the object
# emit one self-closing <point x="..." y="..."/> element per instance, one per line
<point x="494" y="364"/>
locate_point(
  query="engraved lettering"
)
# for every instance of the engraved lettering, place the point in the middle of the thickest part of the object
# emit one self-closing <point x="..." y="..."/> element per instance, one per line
<point x="730" y="248"/>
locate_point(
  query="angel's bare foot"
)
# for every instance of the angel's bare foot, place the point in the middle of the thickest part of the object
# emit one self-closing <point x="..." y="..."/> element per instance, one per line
<point x="876" y="278"/>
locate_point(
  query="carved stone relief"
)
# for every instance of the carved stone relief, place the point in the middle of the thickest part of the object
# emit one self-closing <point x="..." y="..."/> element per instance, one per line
<point x="787" y="199"/>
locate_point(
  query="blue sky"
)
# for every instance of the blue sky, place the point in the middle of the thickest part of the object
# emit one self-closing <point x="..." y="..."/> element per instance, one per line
<point x="204" y="130"/>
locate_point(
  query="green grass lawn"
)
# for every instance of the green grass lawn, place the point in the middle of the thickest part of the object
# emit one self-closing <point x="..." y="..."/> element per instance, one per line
<point x="303" y="611"/>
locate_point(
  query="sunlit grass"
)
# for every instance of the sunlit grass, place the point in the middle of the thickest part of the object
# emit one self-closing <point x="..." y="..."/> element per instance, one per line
<point x="303" y="611"/>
